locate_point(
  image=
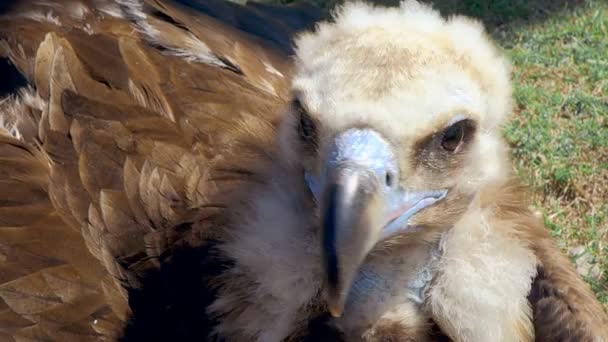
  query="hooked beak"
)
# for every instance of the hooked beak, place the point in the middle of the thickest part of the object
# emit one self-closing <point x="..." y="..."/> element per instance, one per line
<point x="361" y="205"/>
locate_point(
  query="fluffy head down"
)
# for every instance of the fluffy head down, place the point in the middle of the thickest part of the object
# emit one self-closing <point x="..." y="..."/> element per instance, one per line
<point x="371" y="55"/>
<point x="407" y="73"/>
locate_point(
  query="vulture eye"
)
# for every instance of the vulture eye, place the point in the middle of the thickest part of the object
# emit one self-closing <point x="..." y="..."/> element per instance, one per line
<point x="456" y="135"/>
<point x="306" y="126"/>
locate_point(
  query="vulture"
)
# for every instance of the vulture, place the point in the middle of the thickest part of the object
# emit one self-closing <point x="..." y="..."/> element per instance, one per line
<point x="209" y="171"/>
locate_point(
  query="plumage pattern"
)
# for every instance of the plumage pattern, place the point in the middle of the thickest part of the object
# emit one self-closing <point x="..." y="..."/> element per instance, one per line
<point x="143" y="194"/>
<point x="117" y="156"/>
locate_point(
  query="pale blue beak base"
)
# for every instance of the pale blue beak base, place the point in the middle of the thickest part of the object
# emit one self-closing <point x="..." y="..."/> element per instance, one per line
<point x="370" y="151"/>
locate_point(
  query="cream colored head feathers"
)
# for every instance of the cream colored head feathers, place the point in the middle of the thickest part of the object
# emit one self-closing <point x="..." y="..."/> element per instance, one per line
<point x="406" y="72"/>
<point x="370" y="55"/>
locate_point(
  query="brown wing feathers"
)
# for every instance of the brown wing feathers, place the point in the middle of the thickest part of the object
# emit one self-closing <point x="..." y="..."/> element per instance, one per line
<point x="117" y="168"/>
<point x="51" y="287"/>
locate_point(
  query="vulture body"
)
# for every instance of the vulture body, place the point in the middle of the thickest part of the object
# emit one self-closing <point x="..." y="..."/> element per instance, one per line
<point x="177" y="171"/>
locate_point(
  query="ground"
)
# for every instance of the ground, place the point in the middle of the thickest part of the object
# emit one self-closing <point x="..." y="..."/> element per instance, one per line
<point x="559" y="133"/>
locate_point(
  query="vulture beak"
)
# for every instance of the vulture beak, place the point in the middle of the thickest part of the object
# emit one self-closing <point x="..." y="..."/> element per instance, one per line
<point x="362" y="203"/>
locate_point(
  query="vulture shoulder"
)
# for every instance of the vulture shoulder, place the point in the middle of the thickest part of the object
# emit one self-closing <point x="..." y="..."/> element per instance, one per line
<point x="498" y="253"/>
<point x="135" y="114"/>
<point x="563" y="306"/>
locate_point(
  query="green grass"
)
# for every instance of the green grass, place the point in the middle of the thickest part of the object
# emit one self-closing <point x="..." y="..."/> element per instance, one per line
<point x="559" y="133"/>
<point x="560" y="130"/>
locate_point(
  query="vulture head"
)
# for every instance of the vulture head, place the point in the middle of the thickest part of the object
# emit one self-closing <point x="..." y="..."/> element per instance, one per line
<point x="394" y="124"/>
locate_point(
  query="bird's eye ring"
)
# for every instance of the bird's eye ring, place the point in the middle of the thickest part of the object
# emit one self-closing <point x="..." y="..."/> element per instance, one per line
<point x="454" y="136"/>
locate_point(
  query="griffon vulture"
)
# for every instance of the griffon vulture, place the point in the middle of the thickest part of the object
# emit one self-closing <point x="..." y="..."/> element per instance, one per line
<point x="178" y="171"/>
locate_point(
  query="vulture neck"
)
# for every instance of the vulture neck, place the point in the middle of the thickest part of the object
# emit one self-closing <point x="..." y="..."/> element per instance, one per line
<point x="275" y="244"/>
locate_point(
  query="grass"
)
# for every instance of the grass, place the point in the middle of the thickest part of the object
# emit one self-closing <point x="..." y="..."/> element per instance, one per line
<point x="559" y="133"/>
<point x="560" y="130"/>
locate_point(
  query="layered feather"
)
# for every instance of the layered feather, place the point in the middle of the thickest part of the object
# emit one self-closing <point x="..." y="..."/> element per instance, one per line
<point x="115" y="160"/>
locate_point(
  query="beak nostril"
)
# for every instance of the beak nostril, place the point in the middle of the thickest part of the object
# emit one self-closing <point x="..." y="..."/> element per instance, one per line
<point x="389" y="179"/>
